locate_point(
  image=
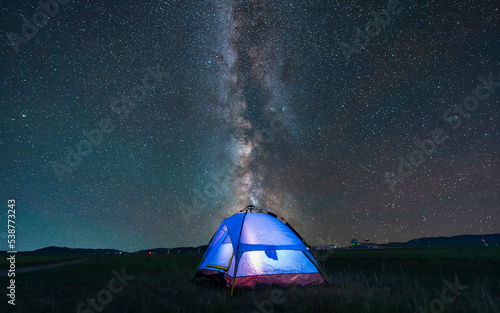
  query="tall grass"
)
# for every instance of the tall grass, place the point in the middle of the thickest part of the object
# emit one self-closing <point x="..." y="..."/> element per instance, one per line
<point x="22" y="260"/>
<point x="362" y="281"/>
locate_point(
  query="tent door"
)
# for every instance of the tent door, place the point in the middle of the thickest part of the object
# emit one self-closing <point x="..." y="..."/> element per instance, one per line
<point x="224" y="268"/>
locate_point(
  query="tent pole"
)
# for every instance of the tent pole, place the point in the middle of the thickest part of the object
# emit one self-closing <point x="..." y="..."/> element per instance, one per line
<point x="237" y="260"/>
<point x="203" y="257"/>
<point x="319" y="267"/>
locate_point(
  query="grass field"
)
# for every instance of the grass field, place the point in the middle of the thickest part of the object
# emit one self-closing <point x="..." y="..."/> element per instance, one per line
<point x="30" y="260"/>
<point x="406" y="280"/>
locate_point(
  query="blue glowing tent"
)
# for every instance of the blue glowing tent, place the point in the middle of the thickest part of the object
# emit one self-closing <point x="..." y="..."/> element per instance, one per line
<point x="252" y="249"/>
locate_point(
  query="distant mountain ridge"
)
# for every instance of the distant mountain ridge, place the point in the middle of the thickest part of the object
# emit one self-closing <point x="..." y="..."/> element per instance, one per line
<point x="173" y="250"/>
<point x="454" y="241"/>
<point x="71" y="251"/>
<point x="52" y="250"/>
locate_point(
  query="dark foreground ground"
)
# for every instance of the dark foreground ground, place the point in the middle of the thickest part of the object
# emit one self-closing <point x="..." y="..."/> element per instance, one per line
<point x="409" y="280"/>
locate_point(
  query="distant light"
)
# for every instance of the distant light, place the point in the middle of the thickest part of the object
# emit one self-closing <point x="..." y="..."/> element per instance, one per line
<point x="150" y="253"/>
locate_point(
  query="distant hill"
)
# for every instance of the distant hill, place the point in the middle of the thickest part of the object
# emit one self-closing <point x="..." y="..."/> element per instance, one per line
<point x="78" y="251"/>
<point x="71" y="251"/>
<point x="174" y="250"/>
<point x="455" y="241"/>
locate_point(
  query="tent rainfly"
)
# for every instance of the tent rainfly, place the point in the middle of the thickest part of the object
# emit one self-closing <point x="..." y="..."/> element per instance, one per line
<point x="252" y="249"/>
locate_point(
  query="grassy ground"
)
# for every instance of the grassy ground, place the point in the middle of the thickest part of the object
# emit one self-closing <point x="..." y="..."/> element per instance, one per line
<point x="38" y="260"/>
<point x="362" y="281"/>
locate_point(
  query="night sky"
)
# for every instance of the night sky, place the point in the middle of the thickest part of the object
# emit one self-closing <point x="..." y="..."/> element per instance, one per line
<point x="143" y="124"/>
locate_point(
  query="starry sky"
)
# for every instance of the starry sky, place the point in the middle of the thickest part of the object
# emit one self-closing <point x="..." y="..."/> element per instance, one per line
<point x="143" y="124"/>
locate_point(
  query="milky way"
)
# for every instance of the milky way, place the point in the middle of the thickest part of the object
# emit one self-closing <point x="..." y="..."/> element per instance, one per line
<point x="252" y="61"/>
<point x="293" y="106"/>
